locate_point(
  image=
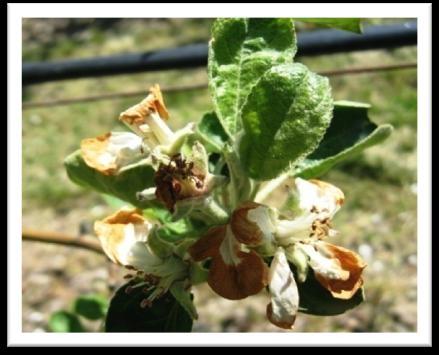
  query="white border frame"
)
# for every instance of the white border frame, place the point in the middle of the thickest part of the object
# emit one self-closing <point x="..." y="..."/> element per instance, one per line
<point x="422" y="12"/>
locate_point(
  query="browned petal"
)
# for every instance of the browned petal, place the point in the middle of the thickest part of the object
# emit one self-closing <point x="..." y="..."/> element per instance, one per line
<point x="92" y="149"/>
<point x="349" y="261"/>
<point x="159" y="104"/>
<point x="208" y="245"/>
<point x="152" y="103"/>
<point x="125" y="216"/>
<point x="238" y="280"/>
<point x="111" y="231"/>
<point x="246" y="231"/>
<point x="276" y="322"/>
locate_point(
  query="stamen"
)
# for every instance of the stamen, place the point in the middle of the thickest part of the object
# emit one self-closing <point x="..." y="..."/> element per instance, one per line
<point x="145" y="303"/>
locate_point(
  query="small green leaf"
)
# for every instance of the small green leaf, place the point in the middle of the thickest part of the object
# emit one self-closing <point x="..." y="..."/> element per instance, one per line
<point x="315" y="299"/>
<point x="350" y="133"/>
<point x="185" y="298"/>
<point x="240" y="52"/>
<point x="165" y="314"/>
<point x="124" y="186"/>
<point x="285" y="117"/>
<point x="347" y="24"/>
<point x="212" y="132"/>
<point x="65" y="322"/>
<point x="92" y="307"/>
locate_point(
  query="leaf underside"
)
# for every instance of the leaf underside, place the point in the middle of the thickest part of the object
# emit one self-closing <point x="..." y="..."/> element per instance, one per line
<point x="126" y="315"/>
<point x="349" y="133"/>
<point x="124" y="186"/>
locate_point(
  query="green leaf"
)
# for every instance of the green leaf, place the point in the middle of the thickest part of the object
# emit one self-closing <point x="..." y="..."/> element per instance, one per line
<point x="113" y="202"/>
<point x="240" y="52"/>
<point x="212" y="132"/>
<point x="285" y="117"/>
<point x="315" y="299"/>
<point x="165" y="314"/>
<point x="185" y="298"/>
<point x="65" y="322"/>
<point x="124" y="186"/>
<point x="350" y="133"/>
<point x="92" y="307"/>
<point x="347" y="24"/>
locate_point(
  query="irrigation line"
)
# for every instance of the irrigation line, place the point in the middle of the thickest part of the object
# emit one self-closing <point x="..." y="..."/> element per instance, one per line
<point x="310" y="43"/>
<point x="121" y="95"/>
<point x="62" y="239"/>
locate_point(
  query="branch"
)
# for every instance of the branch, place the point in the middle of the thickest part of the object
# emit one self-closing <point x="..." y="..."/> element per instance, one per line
<point x="61" y="238"/>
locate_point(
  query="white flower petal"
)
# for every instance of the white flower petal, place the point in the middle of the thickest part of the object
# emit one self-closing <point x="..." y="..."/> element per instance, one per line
<point x="318" y="202"/>
<point x="319" y="197"/>
<point x="284" y="294"/>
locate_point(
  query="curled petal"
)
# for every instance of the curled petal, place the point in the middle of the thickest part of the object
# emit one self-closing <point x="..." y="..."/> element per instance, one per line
<point x="233" y="274"/>
<point x="282" y="309"/>
<point x="123" y="237"/>
<point x="246" y="276"/>
<point x="252" y="223"/>
<point x="152" y="103"/>
<point x="337" y="269"/>
<point x="110" y="152"/>
<point x="319" y="197"/>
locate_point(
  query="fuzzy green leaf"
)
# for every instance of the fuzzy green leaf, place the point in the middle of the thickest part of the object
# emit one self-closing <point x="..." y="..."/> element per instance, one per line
<point x="350" y="133"/>
<point x="240" y="52"/>
<point x="285" y="117"/>
<point x="165" y="315"/>
<point x="124" y="186"/>
<point x="347" y="24"/>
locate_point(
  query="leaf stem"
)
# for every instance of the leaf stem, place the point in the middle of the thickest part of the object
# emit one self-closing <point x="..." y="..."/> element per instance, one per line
<point x="214" y="213"/>
<point x="270" y="186"/>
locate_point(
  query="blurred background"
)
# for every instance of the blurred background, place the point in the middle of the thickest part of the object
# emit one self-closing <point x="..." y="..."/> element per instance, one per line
<point x="378" y="219"/>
